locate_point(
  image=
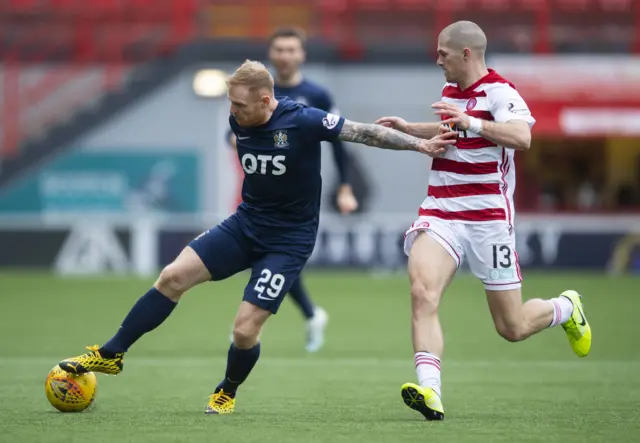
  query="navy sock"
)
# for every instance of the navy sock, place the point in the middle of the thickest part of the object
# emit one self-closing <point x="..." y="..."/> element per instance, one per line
<point x="147" y="314"/>
<point x="240" y="362"/>
<point x="299" y="294"/>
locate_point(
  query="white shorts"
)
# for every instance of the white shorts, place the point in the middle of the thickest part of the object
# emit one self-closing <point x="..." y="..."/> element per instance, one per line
<point x="489" y="248"/>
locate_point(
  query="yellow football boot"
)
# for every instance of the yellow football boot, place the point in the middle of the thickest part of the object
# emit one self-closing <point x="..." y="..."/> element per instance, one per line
<point x="220" y="403"/>
<point x="577" y="327"/>
<point x="423" y="400"/>
<point x="93" y="362"/>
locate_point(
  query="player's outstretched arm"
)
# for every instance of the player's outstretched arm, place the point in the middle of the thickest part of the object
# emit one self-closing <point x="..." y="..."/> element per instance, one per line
<point x="386" y="138"/>
<point x="420" y="130"/>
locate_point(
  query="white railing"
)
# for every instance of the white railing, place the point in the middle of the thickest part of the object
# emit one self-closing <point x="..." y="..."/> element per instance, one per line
<point x="91" y="244"/>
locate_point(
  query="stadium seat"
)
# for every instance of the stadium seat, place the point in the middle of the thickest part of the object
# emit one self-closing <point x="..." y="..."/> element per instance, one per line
<point x="21" y="7"/>
<point x="287" y="14"/>
<point x="572" y="5"/>
<point x="496" y="5"/>
<point x="149" y="4"/>
<point x="229" y="21"/>
<point x="624" y="6"/>
<point x="332" y="6"/>
<point x="24" y="4"/>
<point x="532" y="5"/>
<point x="103" y="8"/>
<point x="414" y="5"/>
<point x="371" y="5"/>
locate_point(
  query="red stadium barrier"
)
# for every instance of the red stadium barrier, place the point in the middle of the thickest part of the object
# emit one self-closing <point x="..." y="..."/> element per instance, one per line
<point x="100" y="31"/>
<point x="92" y="32"/>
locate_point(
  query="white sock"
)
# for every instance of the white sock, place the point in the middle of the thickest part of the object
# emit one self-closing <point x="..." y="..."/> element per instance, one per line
<point x="562" y="310"/>
<point x="428" y="370"/>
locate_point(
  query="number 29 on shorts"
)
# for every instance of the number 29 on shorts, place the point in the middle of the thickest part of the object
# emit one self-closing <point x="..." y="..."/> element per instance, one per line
<point x="269" y="285"/>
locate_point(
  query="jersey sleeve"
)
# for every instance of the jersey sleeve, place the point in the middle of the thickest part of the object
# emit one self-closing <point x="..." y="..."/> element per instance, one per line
<point x="340" y="157"/>
<point x="320" y="124"/>
<point x="507" y="104"/>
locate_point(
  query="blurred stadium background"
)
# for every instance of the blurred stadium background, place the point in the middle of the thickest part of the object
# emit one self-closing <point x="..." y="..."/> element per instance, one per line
<point x="112" y="156"/>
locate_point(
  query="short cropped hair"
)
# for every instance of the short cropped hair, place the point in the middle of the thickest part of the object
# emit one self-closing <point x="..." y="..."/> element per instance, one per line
<point x="254" y="75"/>
<point x="288" y="32"/>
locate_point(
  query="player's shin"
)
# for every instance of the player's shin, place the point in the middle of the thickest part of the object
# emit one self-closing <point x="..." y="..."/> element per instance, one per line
<point x="425" y="323"/>
<point x="427" y="336"/>
<point x="147" y="313"/>
<point x="541" y="314"/>
<point x="240" y="362"/>
<point x="299" y="295"/>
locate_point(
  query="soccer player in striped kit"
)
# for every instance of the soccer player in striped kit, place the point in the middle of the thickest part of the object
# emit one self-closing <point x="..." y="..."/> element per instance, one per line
<point x="469" y="214"/>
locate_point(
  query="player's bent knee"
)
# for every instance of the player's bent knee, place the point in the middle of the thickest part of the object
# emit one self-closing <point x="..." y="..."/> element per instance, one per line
<point x="424" y="299"/>
<point x="245" y="335"/>
<point x="173" y="282"/>
<point x="186" y="271"/>
<point x="248" y="325"/>
<point x="511" y="333"/>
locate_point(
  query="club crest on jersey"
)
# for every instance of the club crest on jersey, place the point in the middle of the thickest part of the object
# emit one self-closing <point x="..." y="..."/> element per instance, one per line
<point x="280" y="139"/>
<point x="330" y="121"/>
<point x="471" y="103"/>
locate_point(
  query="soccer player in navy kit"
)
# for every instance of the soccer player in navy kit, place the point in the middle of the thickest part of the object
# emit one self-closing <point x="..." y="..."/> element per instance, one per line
<point x="286" y="54"/>
<point x="272" y="233"/>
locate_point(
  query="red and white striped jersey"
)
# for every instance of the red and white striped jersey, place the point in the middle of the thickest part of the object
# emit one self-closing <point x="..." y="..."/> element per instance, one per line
<point x="474" y="182"/>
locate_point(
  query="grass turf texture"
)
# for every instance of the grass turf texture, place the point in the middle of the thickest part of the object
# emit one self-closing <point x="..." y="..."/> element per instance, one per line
<point x="349" y="391"/>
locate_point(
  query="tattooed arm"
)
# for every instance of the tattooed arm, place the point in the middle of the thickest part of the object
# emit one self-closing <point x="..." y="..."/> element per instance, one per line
<point x="376" y="135"/>
<point x="387" y="138"/>
<point x="420" y="130"/>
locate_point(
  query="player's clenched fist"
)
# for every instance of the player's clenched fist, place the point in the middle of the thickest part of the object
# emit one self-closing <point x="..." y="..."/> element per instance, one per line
<point x="346" y="200"/>
<point x="394" y="123"/>
<point x="437" y="145"/>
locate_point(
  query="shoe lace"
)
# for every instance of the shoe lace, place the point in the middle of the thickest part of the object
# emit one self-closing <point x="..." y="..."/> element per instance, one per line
<point x="93" y="348"/>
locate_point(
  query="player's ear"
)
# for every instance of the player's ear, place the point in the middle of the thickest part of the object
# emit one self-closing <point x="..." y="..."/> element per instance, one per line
<point x="466" y="53"/>
<point x="266" y="100"/>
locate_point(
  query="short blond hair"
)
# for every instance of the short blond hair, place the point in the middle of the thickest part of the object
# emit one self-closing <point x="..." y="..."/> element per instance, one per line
<point x="254" y="75"/>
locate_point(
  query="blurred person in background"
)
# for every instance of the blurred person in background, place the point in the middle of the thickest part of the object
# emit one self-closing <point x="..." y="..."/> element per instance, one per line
<point x="587" y="192"/>
<point x="287" y="54"/>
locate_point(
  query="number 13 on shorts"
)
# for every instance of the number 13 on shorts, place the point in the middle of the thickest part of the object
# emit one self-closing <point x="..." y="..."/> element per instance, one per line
<point x="504" y="269"/>
<point x="502" y="256"/>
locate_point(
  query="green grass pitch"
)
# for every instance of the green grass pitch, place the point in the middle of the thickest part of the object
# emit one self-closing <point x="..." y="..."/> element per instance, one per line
<point x="494" y="391"/>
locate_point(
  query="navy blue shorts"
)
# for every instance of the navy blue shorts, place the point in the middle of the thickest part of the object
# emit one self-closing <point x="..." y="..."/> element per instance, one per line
<point x="226" y="250"/>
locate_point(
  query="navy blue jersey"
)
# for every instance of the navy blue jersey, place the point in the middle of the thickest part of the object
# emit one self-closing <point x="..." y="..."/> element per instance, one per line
<point x="307" y="93"/>
<point x="311" y="94"/>
<point x="315" y="96"/>
<point x="282" y="183"/>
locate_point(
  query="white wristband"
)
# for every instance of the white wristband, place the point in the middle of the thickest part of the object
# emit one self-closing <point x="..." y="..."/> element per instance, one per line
<point x="475" y="125"/>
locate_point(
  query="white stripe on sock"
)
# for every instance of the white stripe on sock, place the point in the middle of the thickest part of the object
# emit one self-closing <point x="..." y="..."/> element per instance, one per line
<point x="562" y="310"/>
<point x="428" y="371"/>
